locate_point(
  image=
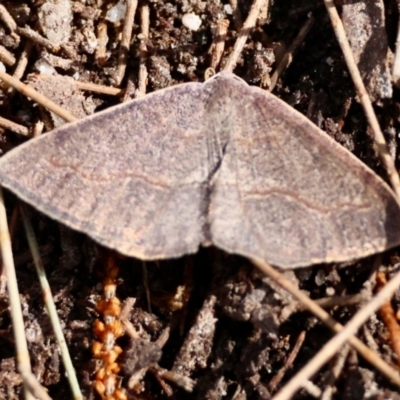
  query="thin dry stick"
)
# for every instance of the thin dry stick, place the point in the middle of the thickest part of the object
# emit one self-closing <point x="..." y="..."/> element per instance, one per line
<point x="131" y="6"/>
<point x="363" y="96"/>
<point x="50" y="306"/>
<point x="325" y="302"/>
<point x="335" y="372"/>
<point x="13" y="127"/>
<point x="332" y="346"/>
<point x="368" y="354"/>
<point x="23" y="361"/>
<point x="39" y="98"/>
<point x="244" y="33"/>
<point x="6" y="57"/>
<point x="312" y="389"/>
<point x="37" y="128"/>
<point x="146" y="286"/>
<point x="34" y="386"/>
<point x="288" y="56"/>
<point x="145" y="30"/>
<point x="218" y="45"/>
<point x="275" y="381"/>
<point x="7" y="19"/>
<point x="93" y="87"/>
<point x="23" y="61"/>
<point x="369" y="339"/>
<point x="102" y="39"/>
<point x="30" y="34"/>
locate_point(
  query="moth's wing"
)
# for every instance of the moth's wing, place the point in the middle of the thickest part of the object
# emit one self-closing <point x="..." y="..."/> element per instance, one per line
<point x="289" y="194"/>
<point x="132" y="177"/>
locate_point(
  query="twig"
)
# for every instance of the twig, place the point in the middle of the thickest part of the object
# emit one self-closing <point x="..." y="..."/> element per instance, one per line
<point x="146" y="286"/>
<point x="335" y="372"/>
<point x="369" y="355"/>
<point x="7" y="19"/>
<point x="23" y="360"/>
<point x="218" y="45"/>
<point x="274" y="382"/>
<point x="364" y="98"/>
<point x="288" y="56"/>
<point x="30" y="34"/>
<point x="312" y="389"/>
<point x="59" y="62"/>
<point x="93" y="87"/>
<point x="102" y="39"/>
<point x="12" y="126"/>
<point x="369" y="339"/>
<point x="145" y="29"/>
<point x="244" y="33"/>
<point x="332" y="346"/>
<point x="131" y="6"/>
<point x="50" y="306"/>
<point x="37" y="129"/>
<point x="34" y="386"/>
<point x="6" y="57"/>
<point x="13" y="223"/>
<point x="23" y="61"/>
<point x="326" y="302"/>
<point x="130" y="88"/>
<point x="35" y="95"/>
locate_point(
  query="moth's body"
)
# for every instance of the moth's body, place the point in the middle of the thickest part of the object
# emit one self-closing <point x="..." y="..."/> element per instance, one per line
<point x="219" y="162"/>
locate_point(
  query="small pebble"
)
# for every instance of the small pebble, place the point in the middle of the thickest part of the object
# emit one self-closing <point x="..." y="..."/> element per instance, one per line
<point x="191" y="21"/>
<point x="116" y="13"/>
<point x="228" y="9"/>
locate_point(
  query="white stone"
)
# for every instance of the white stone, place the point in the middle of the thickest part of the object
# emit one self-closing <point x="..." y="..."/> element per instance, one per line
<point x="191" y="21"/>
<point x="116" y="13"/>
<point x="228" y="9"/>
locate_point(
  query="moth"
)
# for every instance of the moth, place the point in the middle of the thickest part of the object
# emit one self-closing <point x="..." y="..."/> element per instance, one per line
<point x="219" y="163"/>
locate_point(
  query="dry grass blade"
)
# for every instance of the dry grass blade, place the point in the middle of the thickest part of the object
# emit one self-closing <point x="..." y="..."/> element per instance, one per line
<point x="244" y="33"/>
<point x="23" y="61"/>
<point x="288" y="56"/>
<point x="13" y="127"/>
<point x="50" y="306"/>
<point x="145" y="29"/>
<point x="23" y="361"/>
<point x="131" y="6"/>
<point x="93" y="87"/>
<point x="368" y="354"/>
<point x="364" y="98"/>
<point x="36" y="96"/>
<point x="335" y="373"/>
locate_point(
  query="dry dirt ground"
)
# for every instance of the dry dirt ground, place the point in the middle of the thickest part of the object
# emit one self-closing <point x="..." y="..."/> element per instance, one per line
<point x="230" y="329"/>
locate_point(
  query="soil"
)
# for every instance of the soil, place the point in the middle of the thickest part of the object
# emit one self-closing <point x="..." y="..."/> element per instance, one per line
<point x="227" y="327"/>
